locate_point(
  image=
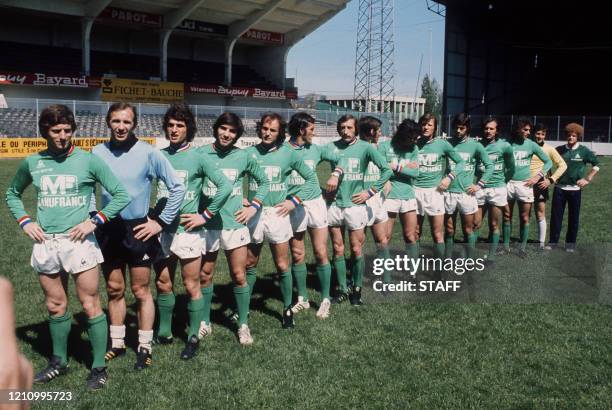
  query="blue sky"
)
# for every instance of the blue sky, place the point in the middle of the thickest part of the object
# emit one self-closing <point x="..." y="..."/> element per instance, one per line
<point x="325" y="60"/>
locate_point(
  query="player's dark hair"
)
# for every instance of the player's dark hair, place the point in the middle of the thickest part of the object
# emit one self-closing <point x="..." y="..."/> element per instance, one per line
<point x="366" y="125"/>
<point x="299" y="122"/>
<point x="282" y="126"/>
<point x="540" y="127"/>
<point x="489" y="119"/>
<point x="120" y="106"/>
<point x="406" y="134"/>
<point x="181" y="112"/>
<point x="461" y="119"/>
<point x="343" y="119"/>
<point x="231" y="119"/>
<point x="520" y="123"/>
<point x="53" y="115"/>
<point x="425" y="118"/>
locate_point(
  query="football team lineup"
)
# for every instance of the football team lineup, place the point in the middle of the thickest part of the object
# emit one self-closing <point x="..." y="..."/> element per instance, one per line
<point x="200" y="209"/>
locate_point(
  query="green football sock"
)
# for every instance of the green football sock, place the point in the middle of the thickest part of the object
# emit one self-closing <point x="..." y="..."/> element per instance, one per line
<point x="477" y="233"/>
<point x="438" y="250"/>
<point x="299" y="275"/>
<point x="507" y="231"/>
<point x="383" y="253"/>
<point x="286" y="287"/>
<point x="449" y="244"/>
<point x="524" y="236"/>
<point x="471" y="245"/>
<point x="195" y="310"/>
<point x="207" y="295"/>
<point x="494" y="242"/>
<point x="59" y="326"/>
<point x="358" y="270"/>
<point x="412" y="250"/>
<point x="241" y="295"/>
<point x="165" y="306"/>
<point x="324" y="274"/>
<point x="251" y="277"/>
<point x="97" y="329"/>
<point x="340" y="267"/>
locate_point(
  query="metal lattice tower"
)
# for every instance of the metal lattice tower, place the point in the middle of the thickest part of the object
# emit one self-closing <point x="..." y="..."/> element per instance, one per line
<point x="374" y="56"/>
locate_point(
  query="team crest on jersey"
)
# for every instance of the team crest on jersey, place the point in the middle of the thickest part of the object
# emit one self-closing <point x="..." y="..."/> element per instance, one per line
<point x="353" y="166"/>
<point x="40" y="164"/>
<point x="273" y="173"/>
<point x="310" y="163"/>
<point x="59" y="185"/>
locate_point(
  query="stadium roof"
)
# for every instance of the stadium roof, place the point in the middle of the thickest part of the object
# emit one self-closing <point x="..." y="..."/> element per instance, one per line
<point x="294" y="18"/>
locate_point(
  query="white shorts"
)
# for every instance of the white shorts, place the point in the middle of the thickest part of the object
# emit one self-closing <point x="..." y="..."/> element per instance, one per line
<point x="268" y="225"/>
<point x="376" y="210"/>
<point x="311" y="214"/>
<point x="226" y="239"/>
<point x="465" y="203"/>
<point x="58" y="253"/>
<point x="354" y="217"/>
<point x="518" y="191"/>
<point x="400" y="205"/>
<point x="185" y="245"/>
<point x="430" y="201"/>
<point x="494" y="196"/>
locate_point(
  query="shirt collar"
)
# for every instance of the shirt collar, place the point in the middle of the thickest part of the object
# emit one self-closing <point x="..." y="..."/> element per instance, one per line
<point x="296" y="145"/>
<point x="63" y="154"/>
<point x="576" y="145"/>
<point x="184" y="147"/>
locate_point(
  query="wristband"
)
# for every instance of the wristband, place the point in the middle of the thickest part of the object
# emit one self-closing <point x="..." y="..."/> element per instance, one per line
<point x="207" y="215"/>
<point x="99" y="219"/>
<point x="371" y="192"/>
<point x="296" y="200"/>
<point x="24" y="220"/>
<point x="481" y="184"/>
<point x="256" y="204"/>
<point x="451" y="176"/>
<point x="338" y="172"/>
<point x="540" y="174"/>
<point x="398" y="167"/>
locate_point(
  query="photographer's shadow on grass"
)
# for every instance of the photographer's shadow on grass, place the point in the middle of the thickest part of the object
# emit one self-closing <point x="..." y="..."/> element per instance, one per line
<point x="37" y="336"/>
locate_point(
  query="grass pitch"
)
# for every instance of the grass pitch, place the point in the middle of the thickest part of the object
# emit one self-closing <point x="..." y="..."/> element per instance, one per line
<point x="395" y="352"/>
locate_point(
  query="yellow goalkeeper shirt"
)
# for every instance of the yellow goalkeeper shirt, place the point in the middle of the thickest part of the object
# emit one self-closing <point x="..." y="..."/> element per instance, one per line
<point x="559" y="164"/>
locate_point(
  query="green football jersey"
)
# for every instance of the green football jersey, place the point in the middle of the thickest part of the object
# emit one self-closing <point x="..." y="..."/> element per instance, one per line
<point x="501" y="155"/>
<point x="403" y="177"/>
<point x="433" y="155"/>
<point x="193" y="170"/>
<point x="311" y="155"/>
<point x="473" y="155"/>
<point x="523" y="151"/>
<point x="355" y="157"/>
<point x="64" y="185"/>
<point x="278" y="163"/>
<point x="235" y="164"/>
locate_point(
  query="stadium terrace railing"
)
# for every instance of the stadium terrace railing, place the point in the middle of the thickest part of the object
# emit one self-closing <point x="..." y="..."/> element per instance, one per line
<point x="20" y="119"/>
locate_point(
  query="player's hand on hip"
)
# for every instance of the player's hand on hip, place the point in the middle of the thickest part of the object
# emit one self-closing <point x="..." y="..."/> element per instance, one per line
<point x="15" y="370"/>
<point x="360" y="198"/>
<point x="192" y="221"/>
<point x="332" y="184"/>
<point x="35" y="232"/>
<point x="284" y="208"/>
<point x="245" y="214"/>
<point x="82" y="230"/>
<point x="444" y="184"/>
<point x="147" y="230"/>
<point x="545" y="183"/>
<point x="532" y="181"/>
<point x="582" y="182"/>
<point x="472" y="189"/>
